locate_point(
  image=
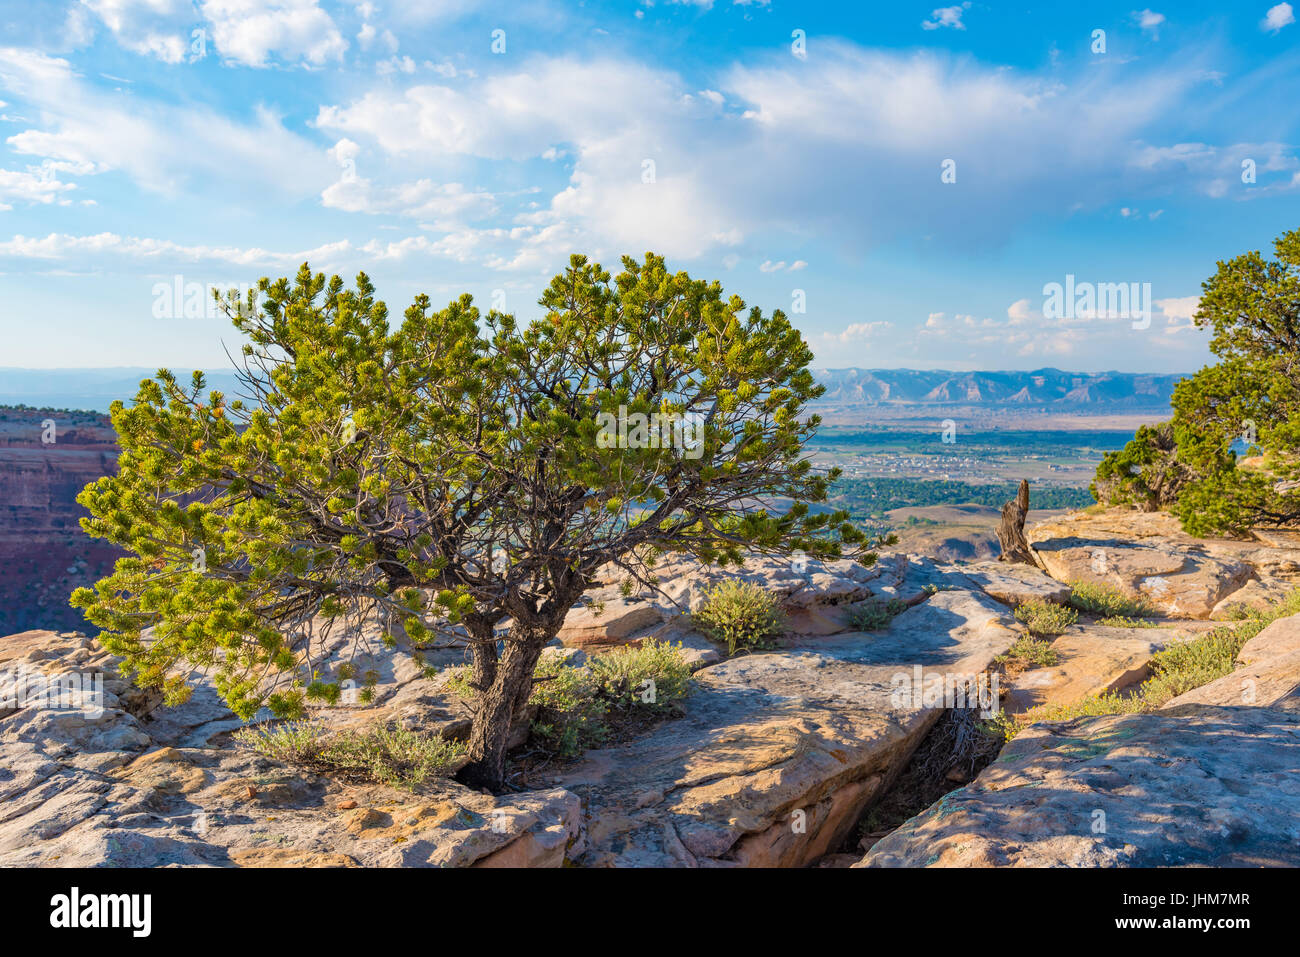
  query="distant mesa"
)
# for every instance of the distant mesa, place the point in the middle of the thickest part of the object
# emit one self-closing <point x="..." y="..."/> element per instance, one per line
<point x="95" y="389"/>
<point x="1048" y="388"/>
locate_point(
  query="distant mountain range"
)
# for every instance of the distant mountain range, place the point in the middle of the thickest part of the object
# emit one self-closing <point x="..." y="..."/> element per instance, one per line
<point x="89" y="389"/>
<point x="1053" y="388"/>
<point x="94" y="389"/>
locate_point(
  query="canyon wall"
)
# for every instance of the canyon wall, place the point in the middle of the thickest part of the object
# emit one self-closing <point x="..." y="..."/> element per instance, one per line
<point x="44" y="554"/>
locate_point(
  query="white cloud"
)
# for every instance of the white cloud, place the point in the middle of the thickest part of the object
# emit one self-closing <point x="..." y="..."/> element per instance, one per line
<point x="769" y="266"/>
<point x="1186" y="153"/>
<point x="443" y="205"/>
<point x="1277" y="17"/>
<point x="253" y="32"/>
<point x="78" y="30"/>
<point x="783" y="159"/>
<point x="513" y="115"/>
<point x="938" y="322"/>
<point x="1026" y="332"/>
<point x="1179" y="310"/>
<point x="27" y="186"/>
<point x="345" y="152"/>
<point x="1216" y="171"/>
<point x="1148" y="20"/>
<point x="635" y="184"/>
<point x="1132" y="212"/>
<point x="903" y="105"/>
<point x="859" y="331"/>
<point x="395" y="65"/>
<point x="341" y="253"/>
<point x="157" y="28"/>
<point x="427" y="11"/>
<point x="946" y="17"/>
<point x="160" y="146"/>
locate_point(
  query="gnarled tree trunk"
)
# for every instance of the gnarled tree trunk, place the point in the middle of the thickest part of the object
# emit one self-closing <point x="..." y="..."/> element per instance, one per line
<point x="1011" y="530"/>
<point x="499" y="701"/>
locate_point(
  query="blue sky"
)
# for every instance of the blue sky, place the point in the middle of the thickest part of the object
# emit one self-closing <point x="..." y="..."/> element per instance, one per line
<point x="794" y="147"/>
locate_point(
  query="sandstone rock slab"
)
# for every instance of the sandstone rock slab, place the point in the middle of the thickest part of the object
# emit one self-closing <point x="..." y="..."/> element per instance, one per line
<point x="166" y="787"/>
<point x="1255" y="595"/>
<point x="1012" y="584"/>
<point x="779" y="752"/>
<point x="812" y="594"/>
<point x="611" y="622"/>
<point x="1191" y="786"/>
<point x="1123" y="546"/>
<point x="1093" y="659"/>
<point x="1180" y="582"/>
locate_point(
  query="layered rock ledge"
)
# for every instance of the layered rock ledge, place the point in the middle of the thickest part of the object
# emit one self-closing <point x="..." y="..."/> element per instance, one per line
<point x="778" y="753"/>
<point x="1207" y="780"/>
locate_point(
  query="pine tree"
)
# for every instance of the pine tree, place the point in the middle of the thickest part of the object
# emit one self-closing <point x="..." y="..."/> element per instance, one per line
<point x="444" y="476"/>
<point x="1248" y="401"/>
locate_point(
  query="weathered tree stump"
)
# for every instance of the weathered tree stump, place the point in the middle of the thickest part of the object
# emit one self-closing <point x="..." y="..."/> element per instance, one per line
<point x="1011" y="531"/>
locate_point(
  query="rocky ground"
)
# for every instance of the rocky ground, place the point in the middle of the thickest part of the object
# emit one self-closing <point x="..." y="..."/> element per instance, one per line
<point x="778" y="754"/>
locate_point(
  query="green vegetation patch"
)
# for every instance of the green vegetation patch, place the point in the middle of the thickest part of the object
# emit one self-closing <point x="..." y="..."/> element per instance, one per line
<point x="1120" y="621"/>
<point x="1107" y="601"/>
<point x="1174" y="671"/>
<point x="1045" y="617"/>
<point x="1029" y="653"/>
<point x="867" y="498"/>
<point x="398" y="758"/>
<point x="652" y="675"/>
<point x="741" y="615"/>
<point x="875" y="614"/>
<point x="584" y="707"/>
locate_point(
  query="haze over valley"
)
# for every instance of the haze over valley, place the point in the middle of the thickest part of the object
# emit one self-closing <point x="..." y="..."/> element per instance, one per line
<point x="937" y="486"/>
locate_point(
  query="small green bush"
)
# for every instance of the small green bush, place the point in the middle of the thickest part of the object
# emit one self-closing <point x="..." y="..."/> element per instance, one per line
<point x="1119" y="621"/>
<point x="1031" y="653"/>
<point x="1001" y="726"/>
<point x="1107" y="601"/>
<point x="1237" y="611"/>
<point x="579" y="707"/>
<point x="1091" y="706"/>
<point x="1045" y="617"/>
<point x="875" y="614"/>
<point x="1286" y="606"/>
<point x="571" y="715"/>
<point x="394" y="757"/>
<point x="653" y="675"/>
<point x="740" y="614"/>
<point x="1190" y="664"/>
